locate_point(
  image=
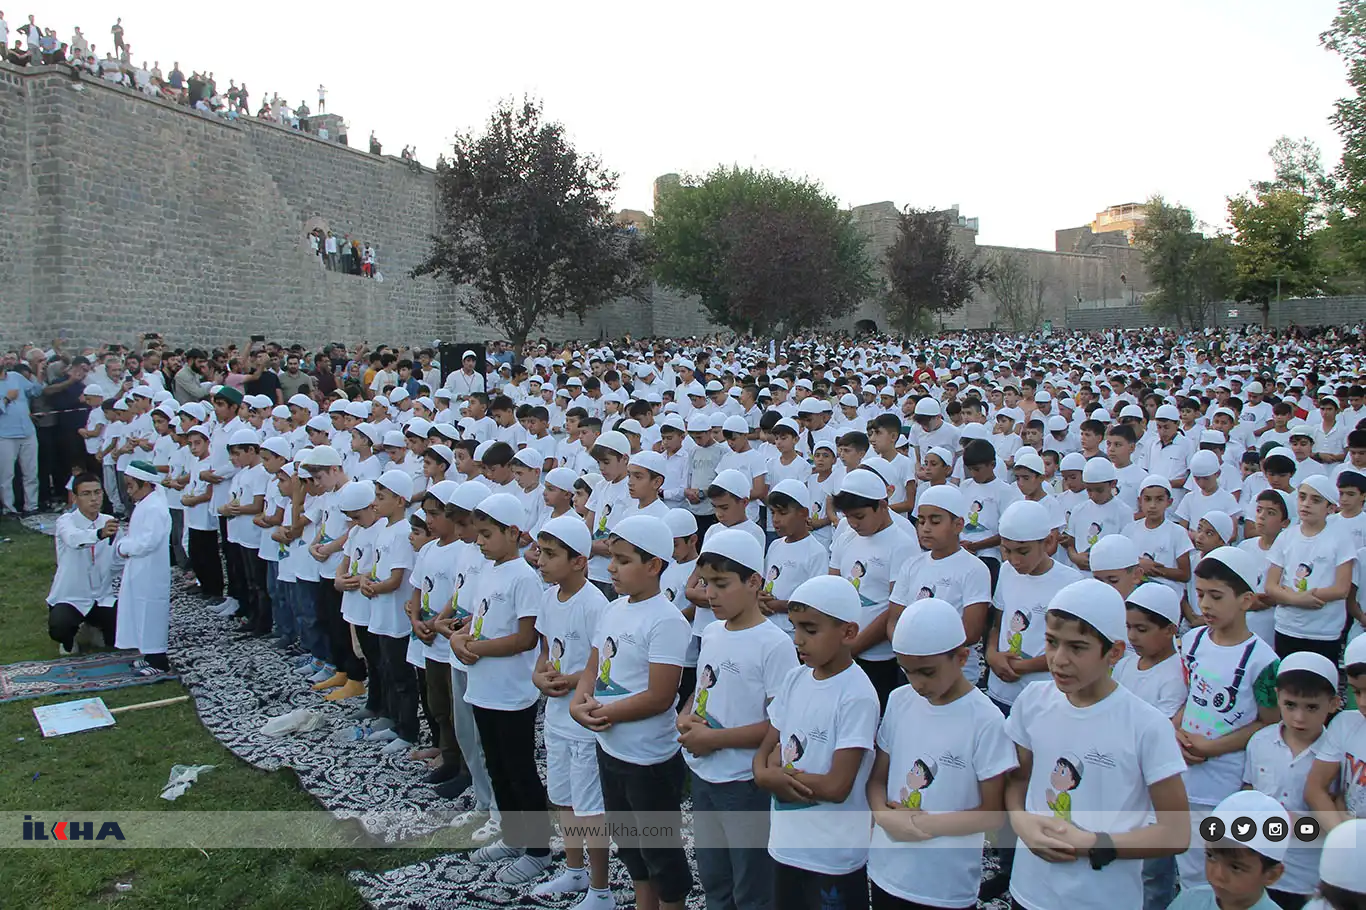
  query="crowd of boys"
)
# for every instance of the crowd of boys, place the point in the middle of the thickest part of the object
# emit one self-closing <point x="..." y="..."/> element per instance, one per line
<point x="868" y="608"/>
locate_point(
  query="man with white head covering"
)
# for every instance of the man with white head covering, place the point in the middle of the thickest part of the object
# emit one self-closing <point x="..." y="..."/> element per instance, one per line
<point x="145" y="591"/>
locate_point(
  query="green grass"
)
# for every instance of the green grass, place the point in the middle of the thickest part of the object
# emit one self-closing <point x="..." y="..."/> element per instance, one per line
<point x="124" y="768"/>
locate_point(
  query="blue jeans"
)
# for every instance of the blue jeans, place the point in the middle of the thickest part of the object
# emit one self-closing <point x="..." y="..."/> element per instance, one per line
<point x="731" y="825"/>
<point x="304" y="600"/>
<point x="1159" y="882"/>
<point x="282" y="613"/>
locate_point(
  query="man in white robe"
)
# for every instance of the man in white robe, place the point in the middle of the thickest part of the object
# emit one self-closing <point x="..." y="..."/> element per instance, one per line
<point x="145" y="592"/>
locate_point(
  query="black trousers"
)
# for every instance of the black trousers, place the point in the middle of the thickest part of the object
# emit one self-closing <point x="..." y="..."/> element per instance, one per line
<point x="64" y="620"/>
<point x="236" y="570"/>
<point x="1288" y="644"/>
<point x="257" y="606"/>
<point x="443" y="710"/>
<point x="884" y="901"/>
<point x="656" y="792"/>
<point x="802" y="889"/>
<point x="338" y="631"/>
<point x="509" y="741"/>
<point x="374" y="694"/>
<point x="204" y="561"/>
<point x="687" y="683"/>
<point x="885" y="675"/>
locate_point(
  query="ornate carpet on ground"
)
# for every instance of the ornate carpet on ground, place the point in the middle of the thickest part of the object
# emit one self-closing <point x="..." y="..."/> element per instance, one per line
<point x="71" y="675"/>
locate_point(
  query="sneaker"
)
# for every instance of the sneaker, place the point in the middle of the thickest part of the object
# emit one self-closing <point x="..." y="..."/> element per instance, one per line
<point x="227" y="602"/>
<point x="489" y="830"/>
<point x="395" y="745"/>
<point x="229" y="609"/>
<point x="324" y="673"/>
<point x="306" y="660"/>
<point x="139" y="663"/>
<point x="150" y="670"/>
<point x="383" y="735"/>
<point x="523" y="869"/>
<point x="570" y="881"/>
<point x="496" y="852"/>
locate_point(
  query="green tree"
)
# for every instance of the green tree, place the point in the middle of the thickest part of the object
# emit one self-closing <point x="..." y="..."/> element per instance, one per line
<point x="1019" y="294"/>
<point x="525" y="222"/>
<point x="760" y="250"/>
<point x="1274" y="253"/>
<point x="927" y="273"/>
<point x="1347" y="189"/>
<point x="1167" y="242"/>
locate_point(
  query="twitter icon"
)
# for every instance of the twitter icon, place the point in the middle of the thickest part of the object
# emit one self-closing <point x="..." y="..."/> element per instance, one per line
<point x="1243" y="829"/>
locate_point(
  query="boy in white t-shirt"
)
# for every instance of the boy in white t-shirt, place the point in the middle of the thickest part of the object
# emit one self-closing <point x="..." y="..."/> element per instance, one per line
<point x="1310" y="575"/>
<point x="817" y="753"/>
<point x="785" y="463"/>
<point x="1273" y="511"/>
<point x="627" y="695"/>
<point x="946" y="571"/>
<point x="1212" y="531"/>
<point x="1163" y="545"/>
<point x="1232" y="690"/>
<point x="987" y="497"/>
<point x="608" y="503"/>
<point x="729" y="494"/>
<point x="247" y="492"/>
<point x="389" y="625"/>
<point x="743" y="662"/>
<point x="938" y="777"/>
<point x="498" y="649"/>
<point x="1151" y="669"/>
<point x="1099" y="785"/>
<point x="1207" y="496"/>
<point x="1279" y="758"/>
<point x="1336" y="789"/>
<point x="794" y="556"/>
<point x="1103" y="513"/>
<point x="823" y="484"/>
<point x="568" y="619"/>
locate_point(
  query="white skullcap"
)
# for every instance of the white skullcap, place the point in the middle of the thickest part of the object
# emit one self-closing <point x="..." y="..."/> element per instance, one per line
<point x="1097" y="603"/>
<point x="649" y="534"/>
<point x="1072" y="461"/>
<point x="244" y="437"/>
<point x="829" y="594"/>
<point x="864" y="483"/>
<point x="1159" y="599"/>
<point x="505" y="509"/>
<point x="356" y="495"/>
<point x="1257" y="808"/>
<point x="1028" y="458"/>
<point x="1098" y="470"/>
<point x="1204" y="463"/>
<point x="736" y="545"/>
<point x="561" y="478"/>
<point x="681" y="522"/>
<point x="570" y="531"/>
<point x="1240" y="562"/>
<point x="795" y="490"/>
<point x="1221" y="522"/>
<point x="1321" y="485"/>
<point x="1024" y="521"/>
<point x="945" y="496"/>
<point x="400" y="483"/>
<point x="928" y="627"/>
<point x="1113" y="551"/>
<point x="1312" y="662"/>
<point x="734" y="482"/>
<point x="650" y="461"/>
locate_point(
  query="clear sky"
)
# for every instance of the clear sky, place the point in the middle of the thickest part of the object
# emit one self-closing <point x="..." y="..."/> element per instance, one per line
<point x="1030" y="116"/>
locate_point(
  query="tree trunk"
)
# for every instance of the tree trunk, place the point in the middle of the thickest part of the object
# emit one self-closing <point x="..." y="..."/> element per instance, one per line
<point x="1266" y="315"/>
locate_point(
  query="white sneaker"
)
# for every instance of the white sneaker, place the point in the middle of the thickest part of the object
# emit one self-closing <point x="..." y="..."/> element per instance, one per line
<point x="489" y="830"/>
<point x="496" y="852"/>
<point x="523" y="869"/>
<point x="597" y="900"/>
<point x="570" y="881"/>
<point x="469" y="817"/>
<point x="395" y="746"/>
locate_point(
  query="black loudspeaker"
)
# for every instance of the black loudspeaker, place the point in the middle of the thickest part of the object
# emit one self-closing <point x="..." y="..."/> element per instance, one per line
<point x="450" y="353"/>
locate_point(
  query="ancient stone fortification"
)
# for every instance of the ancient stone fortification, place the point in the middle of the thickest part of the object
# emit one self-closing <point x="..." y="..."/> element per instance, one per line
<point x="124" y="214"/>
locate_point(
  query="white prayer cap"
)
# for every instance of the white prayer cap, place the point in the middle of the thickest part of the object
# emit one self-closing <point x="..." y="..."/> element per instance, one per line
<point x="244" y="437"/>
<point x="1256" y="808"/>
<point x="503" y="508"/>
<point x="1112" y="552"/>
<point x="699" y="423"/>
<point x="1024" y="521"/>
<point x="927" y="407"/>
<point x="1098" y="470"/>
<point x="736" y="545"/>
<point x="864" y="483"/>
<point x="1321" y="485"/>
<point x="277" y="445"/>
<point x="1072" y="461"/>
<point x="1204" y="463"/>
<point x="928" y="627"/>
<point x="1240" y="562"/>
<point x="1155" y="480"/>
<point x="562" y="478"/>
<point x="396" y="439"/>
<point x="1028" y="458"/>
<point x="570" y="531"/>
<point x="1057" y="423"/>
<point x="400" y="483"/>
<point x="1157" y="598"/>
<point x="529" y="458"/>
<point x="442" y="451"/>
<point x="1340" y="862"/>
<point x="942" y="454"/>
<point x="471" y="495"/>
<point x="631" y="425"/>
<point x="945" y="496"/>
<point x="356" y="495"/>
<point x="1356" y="652"/>
<point x="649" y="534"/>
<point x="681" y="522"/>
<point x="1168" y="412"/>
<point x="444" y="491"/>
<point x="1312" y="662"/>
<point x="734" y="482"/>
<point x="369" y="430"/>
<point x="829" y="594"/>
<point x="615" y="442"/>
<point x="650" y="461"/>
<point x="1097" y="603"/>
<point x="280" y="411"/>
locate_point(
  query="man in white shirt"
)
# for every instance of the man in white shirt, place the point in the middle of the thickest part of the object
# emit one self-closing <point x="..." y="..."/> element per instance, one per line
<point x="82" y="590"/>
<point x="465" y="381"/>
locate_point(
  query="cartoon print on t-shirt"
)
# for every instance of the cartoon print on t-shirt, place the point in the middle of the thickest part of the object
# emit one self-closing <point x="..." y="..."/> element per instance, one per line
<point x="556" y="653"/>
<point x="773" y="573"/>
<point x="604" y="684"/>
<point x="426" y="607"/>
<point x="1019" y="621"/>
<point x="1302" y="576"/>
<point x="974" y="512"/>
<point x="601" y="531"/>
<point x="1065" y="778"/>
<point x="856" y="573"/>
<point x="1092" y="534"/>
<point x="920" y="776"/>
<point x="794" y="747"/>
<point x="460" y="612"/>
<point x="706" y="680"/>
<point x="477" y="630"/>
<point x="925" y="593"/>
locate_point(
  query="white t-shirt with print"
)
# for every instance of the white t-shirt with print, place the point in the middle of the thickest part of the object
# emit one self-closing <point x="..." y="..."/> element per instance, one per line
<point x="815" y="718"/>
<point x="568" y="627"/>
<point x="1261" y="623"/>
<point x="959" y="579"/>
<point x="244" y="487"/>
<point x="1023" y="601"/>
<point x="871" y="563"/>
<point x="787" y="565"/>
<point x="630" y="637"/>
<point x="673" y="584"/>
<point x="1196" y="505"/>
<point x="1307" y="563"/>
<point x="986" y="502"/>
<point x="1092" y="766"/>
<point x="469" y="568"/>
<point x="939" y="755"/>
<point x="1223" y="698"/>
<point x="738" y="674"/>
<point x="434" y="576"/>
<point x="799" y="470"/>
<point x="610" y="503"/>
<point x="392" y="552"/>
<point x="507" y="593"/>
<point x="1090" y="522"/>
<point x="360" y="549"/>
